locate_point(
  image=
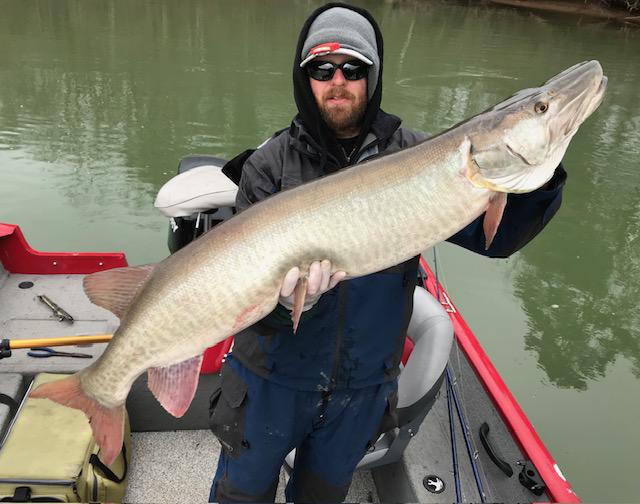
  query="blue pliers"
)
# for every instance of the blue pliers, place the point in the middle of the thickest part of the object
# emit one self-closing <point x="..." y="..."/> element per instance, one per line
<point x="45" y="352"/>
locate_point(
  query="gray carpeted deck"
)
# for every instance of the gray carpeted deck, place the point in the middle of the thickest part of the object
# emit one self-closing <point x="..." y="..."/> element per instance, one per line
<point x="178" y="466"/>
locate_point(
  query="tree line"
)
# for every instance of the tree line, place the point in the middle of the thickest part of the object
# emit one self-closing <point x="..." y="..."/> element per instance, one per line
<point x="630" y="5"/>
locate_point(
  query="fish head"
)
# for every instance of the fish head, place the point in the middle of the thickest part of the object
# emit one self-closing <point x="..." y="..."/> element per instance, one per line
<point x="519" y="142"/>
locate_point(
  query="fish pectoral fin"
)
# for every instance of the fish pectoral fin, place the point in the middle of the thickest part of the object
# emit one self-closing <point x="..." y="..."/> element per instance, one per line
<point x="115" y="289"/>
<point x="299" y="296"/>
<point x="174" y="386"/>
<point x="493" y="216"/>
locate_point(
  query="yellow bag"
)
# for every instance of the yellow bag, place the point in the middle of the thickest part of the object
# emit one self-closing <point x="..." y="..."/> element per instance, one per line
<point x="49" y="453"/>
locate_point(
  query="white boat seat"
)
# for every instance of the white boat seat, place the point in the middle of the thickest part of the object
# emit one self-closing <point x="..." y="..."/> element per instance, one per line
<point x="197" y="190"/>
<point x="431" y="331"/>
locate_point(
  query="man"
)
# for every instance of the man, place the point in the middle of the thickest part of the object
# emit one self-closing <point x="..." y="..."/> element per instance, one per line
<point x="325" y="388"/>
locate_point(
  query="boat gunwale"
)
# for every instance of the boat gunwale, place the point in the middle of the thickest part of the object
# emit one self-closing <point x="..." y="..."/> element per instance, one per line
<point x="17" y="256"/>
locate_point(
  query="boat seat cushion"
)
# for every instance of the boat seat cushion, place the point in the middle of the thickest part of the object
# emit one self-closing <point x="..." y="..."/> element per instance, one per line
<point x="432" y="333"/>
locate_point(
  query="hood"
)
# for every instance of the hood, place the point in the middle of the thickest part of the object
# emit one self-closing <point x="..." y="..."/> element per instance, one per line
<point x="308" y="112"/>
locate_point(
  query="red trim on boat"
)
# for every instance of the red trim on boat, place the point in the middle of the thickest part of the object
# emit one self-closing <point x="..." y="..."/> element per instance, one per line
<point x="18" y="257"/>
<point x="214" y="356"/>
<point x="558" y="488"/>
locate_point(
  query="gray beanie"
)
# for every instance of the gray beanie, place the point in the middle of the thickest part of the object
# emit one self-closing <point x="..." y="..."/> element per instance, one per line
<point x="343" y="31"/>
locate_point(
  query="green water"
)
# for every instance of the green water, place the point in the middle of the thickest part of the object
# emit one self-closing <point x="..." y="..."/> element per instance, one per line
<point x="100" y="99"/>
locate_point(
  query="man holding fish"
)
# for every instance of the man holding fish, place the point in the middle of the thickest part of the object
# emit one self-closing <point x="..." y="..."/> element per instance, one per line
<point x="319" y="373"/>
<point x="316" y="282"/>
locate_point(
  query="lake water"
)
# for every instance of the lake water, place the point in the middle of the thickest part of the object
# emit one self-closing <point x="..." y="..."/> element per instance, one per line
<point x="100" y="99"/>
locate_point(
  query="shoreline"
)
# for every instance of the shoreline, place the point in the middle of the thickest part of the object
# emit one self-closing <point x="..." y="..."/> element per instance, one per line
<point x="581" y="7"/>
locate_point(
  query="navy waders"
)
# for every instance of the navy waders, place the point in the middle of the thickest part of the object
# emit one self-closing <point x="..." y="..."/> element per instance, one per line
<point x="258" y="422"/>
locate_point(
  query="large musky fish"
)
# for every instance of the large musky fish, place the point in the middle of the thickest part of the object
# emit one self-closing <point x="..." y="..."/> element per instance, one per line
<point x="363" y="219"/>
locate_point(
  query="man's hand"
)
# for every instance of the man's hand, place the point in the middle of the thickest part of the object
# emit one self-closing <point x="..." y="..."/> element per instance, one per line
<point x="300" y="294"/>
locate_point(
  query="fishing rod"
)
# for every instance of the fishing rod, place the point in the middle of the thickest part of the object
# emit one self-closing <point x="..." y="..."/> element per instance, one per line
<point x="463" y="424"/>
<point x="7" y="345"/>
<point x="454" y="448"/>
<point x="465" y="435"/>
<point x="452" y="423"/>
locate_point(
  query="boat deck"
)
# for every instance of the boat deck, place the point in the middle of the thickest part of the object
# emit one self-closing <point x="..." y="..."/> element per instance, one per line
<point x="174" y="459"/>
<point x="23" y="316"/>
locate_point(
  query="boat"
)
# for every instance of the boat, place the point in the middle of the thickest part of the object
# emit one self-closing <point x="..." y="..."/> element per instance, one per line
<point x="461" y="434"/>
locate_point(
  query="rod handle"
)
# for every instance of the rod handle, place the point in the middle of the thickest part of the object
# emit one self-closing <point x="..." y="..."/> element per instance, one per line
<point x="61" y="341"/>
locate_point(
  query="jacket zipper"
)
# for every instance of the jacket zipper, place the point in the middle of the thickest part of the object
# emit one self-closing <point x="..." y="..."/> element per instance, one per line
<point x="355" y="159"/>
<point x="342" y="307"/>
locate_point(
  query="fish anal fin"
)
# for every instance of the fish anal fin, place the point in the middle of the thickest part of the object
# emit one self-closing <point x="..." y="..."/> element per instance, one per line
<point x="299" y="296"/>
<point x="493" y="216"/>
<point x="174" y="386"/>
<point x="107" y="424"/>
<point x="115" y="289"/>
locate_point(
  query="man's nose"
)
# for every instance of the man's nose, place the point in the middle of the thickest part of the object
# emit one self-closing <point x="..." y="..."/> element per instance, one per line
<point x="338" y="78"/>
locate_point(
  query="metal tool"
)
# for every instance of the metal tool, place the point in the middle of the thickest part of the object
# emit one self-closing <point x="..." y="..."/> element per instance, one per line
<point x="46" y="352"/>
<point x="57" y="311"/>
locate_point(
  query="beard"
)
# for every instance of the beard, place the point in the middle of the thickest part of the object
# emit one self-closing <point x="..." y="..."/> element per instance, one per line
<point x="345" y="120"/>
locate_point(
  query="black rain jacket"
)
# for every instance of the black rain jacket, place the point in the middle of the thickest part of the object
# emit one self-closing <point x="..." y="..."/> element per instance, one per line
<point x="353" y="337"/>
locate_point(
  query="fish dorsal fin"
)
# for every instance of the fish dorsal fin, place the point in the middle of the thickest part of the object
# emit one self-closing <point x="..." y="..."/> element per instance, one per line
<point x="174" y="386"/>
<point x="115" y="289"/>
<point x="493" y="216"/>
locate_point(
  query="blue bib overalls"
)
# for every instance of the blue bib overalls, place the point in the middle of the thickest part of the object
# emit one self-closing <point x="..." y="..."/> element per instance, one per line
<point x="323" y="391"/>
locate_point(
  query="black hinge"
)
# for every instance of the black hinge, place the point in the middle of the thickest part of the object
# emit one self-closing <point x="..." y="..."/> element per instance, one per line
<point x="530" y="479"/>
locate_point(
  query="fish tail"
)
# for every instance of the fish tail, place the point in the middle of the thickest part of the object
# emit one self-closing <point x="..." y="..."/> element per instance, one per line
<point x="107" y="424"/>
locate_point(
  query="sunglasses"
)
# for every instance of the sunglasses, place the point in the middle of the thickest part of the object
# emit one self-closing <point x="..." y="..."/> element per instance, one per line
<point x="324" y="70"/>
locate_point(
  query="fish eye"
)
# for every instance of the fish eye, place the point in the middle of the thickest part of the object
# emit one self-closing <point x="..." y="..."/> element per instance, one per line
<point x="541" y="107"/>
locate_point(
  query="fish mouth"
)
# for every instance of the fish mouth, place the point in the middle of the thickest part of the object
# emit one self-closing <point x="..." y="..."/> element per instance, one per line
<point x="518" y="155"/>
<point x="580" y="89"/>
<point x="588" y="106"/>
<point x="601" y="90"/>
